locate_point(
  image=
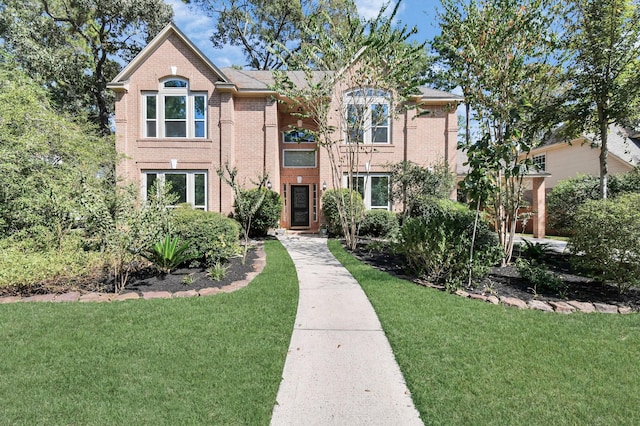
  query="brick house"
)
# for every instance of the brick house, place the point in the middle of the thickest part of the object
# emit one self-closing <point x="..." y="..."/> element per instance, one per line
<point x="179" y="118"/>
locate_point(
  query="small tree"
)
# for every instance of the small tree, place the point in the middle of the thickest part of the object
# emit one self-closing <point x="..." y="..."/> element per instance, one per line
<point x="246" y="206"/>
<point x="371" y="61"/>
<point x="411" y="182"/>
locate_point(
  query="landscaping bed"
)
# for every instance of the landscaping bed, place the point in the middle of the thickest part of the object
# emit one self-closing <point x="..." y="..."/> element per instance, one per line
<point x="507" y="282"/>
<point x="145" y="279"/>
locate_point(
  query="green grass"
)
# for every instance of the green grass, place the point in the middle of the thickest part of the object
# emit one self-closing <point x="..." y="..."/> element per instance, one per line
<point x="208" y="360"/>
<point x="472" y="363"/>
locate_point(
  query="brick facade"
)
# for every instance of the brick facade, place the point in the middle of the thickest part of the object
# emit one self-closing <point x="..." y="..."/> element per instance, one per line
<point x="245" y="125"/>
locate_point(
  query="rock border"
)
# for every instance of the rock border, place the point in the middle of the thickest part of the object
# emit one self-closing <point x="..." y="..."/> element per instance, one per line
<point x="567" y="307"/>
<point x="75" y="296"/>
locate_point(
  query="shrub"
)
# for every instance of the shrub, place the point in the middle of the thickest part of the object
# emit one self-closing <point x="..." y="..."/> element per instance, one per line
<point x="168" y="254"/>
<point x="268" y="214"/>
<point x="606" y="240"/>
<point x="330" y="208"/>
<point x="211" y="236"/>
<point x="566" y="198"/>
<point x="379" y="223"/>
<point x="540" y="277"/>
<point x="436" y="246"/>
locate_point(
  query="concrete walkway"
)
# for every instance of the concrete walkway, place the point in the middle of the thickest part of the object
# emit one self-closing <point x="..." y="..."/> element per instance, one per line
<point x="340" y="369"/>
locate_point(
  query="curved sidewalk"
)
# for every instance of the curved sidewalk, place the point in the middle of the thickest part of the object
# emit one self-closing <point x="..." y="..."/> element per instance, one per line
<point x="340" y="369"/>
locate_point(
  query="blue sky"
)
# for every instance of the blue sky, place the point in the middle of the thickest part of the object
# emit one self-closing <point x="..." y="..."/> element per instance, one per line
<point x="419" y="13"/>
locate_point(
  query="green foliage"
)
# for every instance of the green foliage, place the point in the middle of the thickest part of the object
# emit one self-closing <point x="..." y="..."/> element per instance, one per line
<point x="606" y="240"/>
<point x="168" y="254"/>
<point x="436" y="246"/>
<point x="217" y="271"/>
<point x="188" y="279"/>
<point x="49" y="161"/>
<point x="540" y="278"/>
<point x="23" y="266"/>
<point x="411" y="182"/>
<point x="256" y="25"/>
<point x="379" y="223"/>
<point x="566" y="198"/>
<point x="537" y="252"/>
<point x="603" y="78"/>
<point x="211" y="236"/>
<point x="265" y="217"/>
<point x="75" y="48"/>
<point x="354" y="207"/>
<point x="568" y="195"/>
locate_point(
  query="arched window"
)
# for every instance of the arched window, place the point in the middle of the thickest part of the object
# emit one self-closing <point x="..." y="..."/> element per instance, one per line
<point x="367" y="116"/>
<point x="174" y="111"/>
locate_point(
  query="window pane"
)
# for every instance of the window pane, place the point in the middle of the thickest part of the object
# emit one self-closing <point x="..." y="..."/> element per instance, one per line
<point x="152" y="178"/>
<point x="198" y="107"/>
<point x="357" y="184"/>
<point x="380" y="135"/>
<point x="175" y="83"/>
<point x="175" y="107"/>
<point x="379" y="115"/>
<point x="175" y="129"/>
<point x="299" y="158"/>
<point x="299" y="136"/>
<point x="178" y="186"/>
<point x="199" y="129"/>
<point x="355" y="123"/>
<point x="199" y="196"/>
<point x="151" y="128"/>
<point x="380" y="191"/>
<point x="151" y="107"/>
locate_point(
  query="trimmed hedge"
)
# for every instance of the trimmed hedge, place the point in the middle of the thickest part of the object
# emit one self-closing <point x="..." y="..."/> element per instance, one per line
<point x="267" y="216"/>
<point x="379" y="223"/>
<point x="212" y="237"/>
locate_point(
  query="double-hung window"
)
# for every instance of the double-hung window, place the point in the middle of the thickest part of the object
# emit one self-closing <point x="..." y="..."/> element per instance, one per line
<point x="367" y="117"/>
<point x="188" y="187"/>
<point x="374" y="190"/>
<point x="175" y="112"/>
<point x="540" y="162"/>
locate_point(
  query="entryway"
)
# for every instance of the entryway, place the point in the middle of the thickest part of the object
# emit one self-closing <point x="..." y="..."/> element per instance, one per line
<point x="299" y="206"/>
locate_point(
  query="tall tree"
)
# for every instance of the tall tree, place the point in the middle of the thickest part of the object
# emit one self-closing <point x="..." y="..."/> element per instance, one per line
<point x="501" y="53"/>
<point x="358" y="77"/>
<point x="48" y="161"/>
<point x="604" y="41"/>
<point x="255" y="25"/>
<point x="76" y="46"/>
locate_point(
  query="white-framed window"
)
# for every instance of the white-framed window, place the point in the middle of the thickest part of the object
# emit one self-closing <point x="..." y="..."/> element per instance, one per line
<point x="540" y="162"/>
<point x="298" y="136"/>
<point x="299" y="158"/>
<point x="189" y="186"/>
<point x="374" y="189"/>
<point x="174" y="111"/>
<point x="367" y="116"/>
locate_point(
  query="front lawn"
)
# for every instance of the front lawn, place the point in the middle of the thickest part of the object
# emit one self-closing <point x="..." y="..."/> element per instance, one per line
<point x="469" y="362"/>
<point x="205" y="360"/>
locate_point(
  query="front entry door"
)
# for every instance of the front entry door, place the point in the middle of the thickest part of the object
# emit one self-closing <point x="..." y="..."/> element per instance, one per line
<point x="300" y="205"/>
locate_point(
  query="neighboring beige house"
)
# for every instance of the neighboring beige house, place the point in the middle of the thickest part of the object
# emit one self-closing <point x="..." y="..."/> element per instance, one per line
<point x="179" y="118"/>
<point x="564" y="160"/>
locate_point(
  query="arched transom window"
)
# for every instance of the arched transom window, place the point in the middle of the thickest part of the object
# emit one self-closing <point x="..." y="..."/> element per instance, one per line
<point x="174" y="111"/>
<point x="367" y="116"/>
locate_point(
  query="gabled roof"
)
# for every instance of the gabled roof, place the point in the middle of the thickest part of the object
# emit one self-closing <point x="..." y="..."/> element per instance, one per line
<point x="623" y="143"/>
<point x="119" y="82"/>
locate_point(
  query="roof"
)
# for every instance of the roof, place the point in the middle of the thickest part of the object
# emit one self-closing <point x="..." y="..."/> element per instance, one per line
<point x="245" y="80"/>
<point x="622" y="142"/>
<point x="120" y="80"/>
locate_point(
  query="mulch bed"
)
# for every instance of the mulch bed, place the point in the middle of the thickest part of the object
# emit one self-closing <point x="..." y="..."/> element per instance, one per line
<point x="508" y="283"/>
<point x="145" y="279"/>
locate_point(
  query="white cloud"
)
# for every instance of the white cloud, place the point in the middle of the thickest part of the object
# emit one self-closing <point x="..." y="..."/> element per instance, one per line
<point x="369" y="9"/>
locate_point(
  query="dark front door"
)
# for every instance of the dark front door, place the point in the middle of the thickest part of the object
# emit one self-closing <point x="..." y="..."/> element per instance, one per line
<point x="300" y="205"/>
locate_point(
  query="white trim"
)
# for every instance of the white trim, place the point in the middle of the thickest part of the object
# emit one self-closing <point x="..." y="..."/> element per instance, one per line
<point x="315" y="159"/>
<point x="190" y="184"/>
<point x="367" y="188"/>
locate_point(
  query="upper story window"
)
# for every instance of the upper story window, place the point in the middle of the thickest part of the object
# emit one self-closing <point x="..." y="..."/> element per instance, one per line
<point x="175" y="112"/>
<point x="540" y="162"/>
<point x="298" y="136"/>
<point x="367" y="116"/>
